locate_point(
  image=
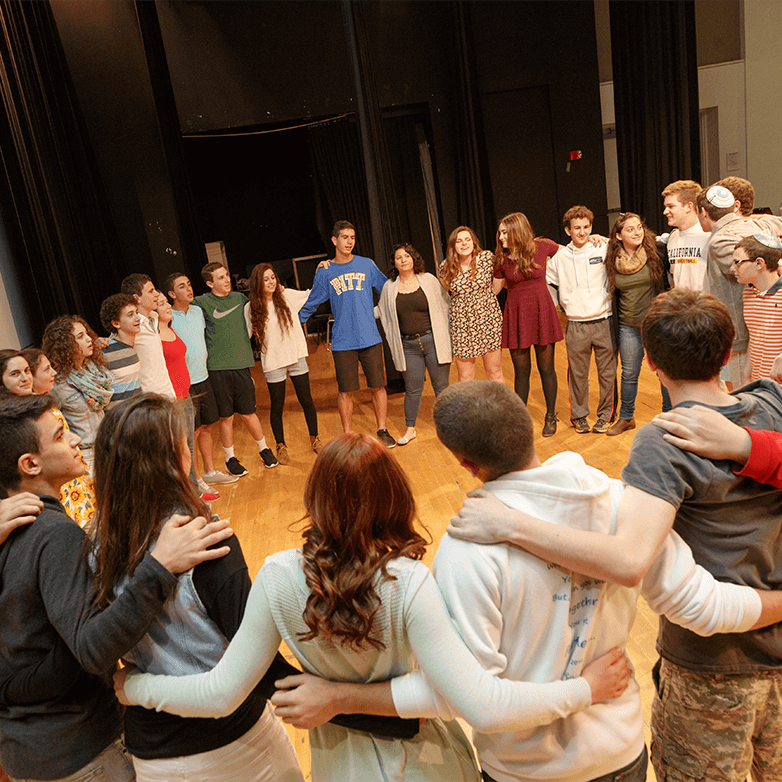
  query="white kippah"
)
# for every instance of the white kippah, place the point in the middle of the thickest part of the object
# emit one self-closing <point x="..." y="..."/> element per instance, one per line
<point x="768" y="240"/>
<point x="720" y="197"/>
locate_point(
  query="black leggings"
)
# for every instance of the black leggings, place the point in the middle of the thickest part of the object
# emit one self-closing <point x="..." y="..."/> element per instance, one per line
<point x="301" y="385"/>
<point x="522" y="364"/>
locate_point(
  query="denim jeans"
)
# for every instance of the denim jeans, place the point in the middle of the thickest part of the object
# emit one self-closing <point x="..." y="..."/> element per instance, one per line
<point x="631" y="352"/>
<point x="420" y="355"/>
<point x="112" y="765"/>
<point x="634" y="772"/>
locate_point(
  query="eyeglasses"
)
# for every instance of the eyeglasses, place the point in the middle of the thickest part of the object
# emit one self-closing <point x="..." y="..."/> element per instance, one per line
<point x="744" y="260"/>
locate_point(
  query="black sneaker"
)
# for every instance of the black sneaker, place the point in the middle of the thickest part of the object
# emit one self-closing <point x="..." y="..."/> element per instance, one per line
<point x="385" y="438"/>
<point x="269" y="459"/>
<point x="233" y="466"/>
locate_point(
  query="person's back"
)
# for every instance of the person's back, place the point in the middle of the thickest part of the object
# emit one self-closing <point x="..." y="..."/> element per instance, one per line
<point x="733" y="525"/>
<point x="526" y="619"/>
<point x="359" y="755"/>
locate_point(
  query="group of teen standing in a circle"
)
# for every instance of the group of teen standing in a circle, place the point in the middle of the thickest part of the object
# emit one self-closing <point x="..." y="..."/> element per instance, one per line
<point x="428" y="323"/>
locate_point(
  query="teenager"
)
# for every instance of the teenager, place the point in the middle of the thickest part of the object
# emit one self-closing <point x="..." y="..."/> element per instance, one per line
<point x="475" y="317"/>
<point x="76" y="729"/>
<point x="229" y="360"/>
<point x="578" y="272"/>
<point x="274" y="315"/>
<point x="355" y="603"/>
<point x="687" y="244"/>
<point x="756" y="265"/>
<point x="189" y="324"/>
<point x="347" y="282"/>
<point x="719" y="214"/>
<point x="120" y="317"/>
<point x="530" y="317"/>
<point x="636" y="275"/>
<point x="191" y="632"/>
<point x="733" y="526"/>
<point x="83" y="387"/>
<point x="154" y="375"/>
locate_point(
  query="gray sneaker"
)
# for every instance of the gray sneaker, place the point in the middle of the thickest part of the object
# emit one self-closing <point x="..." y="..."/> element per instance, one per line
<point x="216" y="477"/>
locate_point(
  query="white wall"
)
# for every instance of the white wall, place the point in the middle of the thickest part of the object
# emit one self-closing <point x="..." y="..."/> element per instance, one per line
<point x="762" y="37"/>
<point x="722" y="86"/>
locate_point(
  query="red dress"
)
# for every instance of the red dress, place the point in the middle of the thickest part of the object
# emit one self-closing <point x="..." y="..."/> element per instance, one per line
<point x="530" y="316"/>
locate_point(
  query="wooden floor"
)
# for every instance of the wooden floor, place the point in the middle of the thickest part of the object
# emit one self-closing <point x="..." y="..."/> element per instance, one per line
<point x="265" y="506"/>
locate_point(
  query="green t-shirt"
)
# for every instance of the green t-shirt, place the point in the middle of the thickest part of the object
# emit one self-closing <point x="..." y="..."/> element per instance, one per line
<point x="636" y="292"/>
<point x="227" y="343"/>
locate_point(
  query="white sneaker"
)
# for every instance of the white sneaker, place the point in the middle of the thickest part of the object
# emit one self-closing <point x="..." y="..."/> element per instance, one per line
<point x="219" y="477"/>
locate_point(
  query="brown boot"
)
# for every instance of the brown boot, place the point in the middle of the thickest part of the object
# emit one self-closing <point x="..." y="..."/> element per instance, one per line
<point x="550" y="425"/>
<point x="622" y="425"/>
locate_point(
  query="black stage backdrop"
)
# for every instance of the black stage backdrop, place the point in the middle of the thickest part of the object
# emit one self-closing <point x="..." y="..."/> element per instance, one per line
<point x="656" y="99"/>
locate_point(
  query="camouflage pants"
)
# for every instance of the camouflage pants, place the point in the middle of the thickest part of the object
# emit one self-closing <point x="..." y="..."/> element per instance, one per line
<point x="717" y="727"/>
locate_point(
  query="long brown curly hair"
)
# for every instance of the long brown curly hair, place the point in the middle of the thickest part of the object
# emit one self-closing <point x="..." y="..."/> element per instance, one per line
<point x="139" y="482"/>
<point x="521" y="244"/>
<point x="259" y="311"/>
<point x="450" y="268"/>
<point x="60" y="346"/>
<point x="649" y="244"/>
<point x="361" y="509"/>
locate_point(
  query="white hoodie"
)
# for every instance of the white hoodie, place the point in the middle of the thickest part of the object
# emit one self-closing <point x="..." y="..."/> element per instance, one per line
<point x="530" y="620"/>
<point x="580" y="275"/>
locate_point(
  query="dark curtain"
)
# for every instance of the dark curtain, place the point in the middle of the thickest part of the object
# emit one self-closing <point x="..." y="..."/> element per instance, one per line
<point x="59" y="228"/>
<point x="338" y="182"/>
<point x="474" y="205"/>
<point x="381" y="196"/>
<point x="656" y="99"/>
<point x="192" y="245"/>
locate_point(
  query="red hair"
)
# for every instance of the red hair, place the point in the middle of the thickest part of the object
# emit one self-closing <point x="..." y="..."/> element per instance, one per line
<point x="361" y="510"/>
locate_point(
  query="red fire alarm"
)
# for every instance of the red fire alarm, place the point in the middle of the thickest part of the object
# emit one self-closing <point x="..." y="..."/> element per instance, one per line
<point x="575" y="155"/>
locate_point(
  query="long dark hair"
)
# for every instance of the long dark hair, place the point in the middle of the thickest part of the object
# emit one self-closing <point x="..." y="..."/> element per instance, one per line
<point x="649" y="244"/>
<point x="360" y="508"/>
<point x="259" y="312"/>
<point x="139" y="482"/>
